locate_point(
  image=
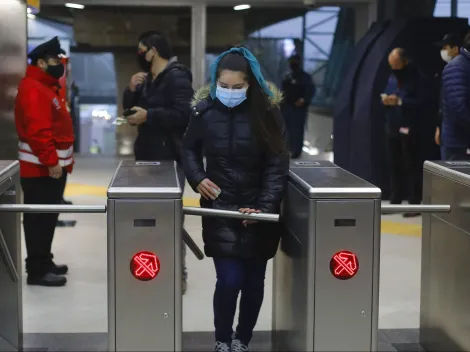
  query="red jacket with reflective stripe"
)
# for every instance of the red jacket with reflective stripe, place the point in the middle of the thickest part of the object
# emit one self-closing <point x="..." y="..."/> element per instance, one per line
<point x="42" y="122"/>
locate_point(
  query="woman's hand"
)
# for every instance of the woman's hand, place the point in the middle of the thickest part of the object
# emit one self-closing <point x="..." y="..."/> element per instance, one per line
<point x="208" y="189"/>
<point x="249" y="211"/>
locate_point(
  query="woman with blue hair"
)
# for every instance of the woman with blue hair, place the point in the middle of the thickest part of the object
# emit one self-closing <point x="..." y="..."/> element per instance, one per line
<point x="236" y="124"/>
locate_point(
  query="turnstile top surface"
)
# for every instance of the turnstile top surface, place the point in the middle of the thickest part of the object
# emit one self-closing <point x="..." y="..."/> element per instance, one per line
<point x="326" y="180"/>
<point x="458" y="171"/>
<point x="7" y="168"/>
<point x="157" y="180"/>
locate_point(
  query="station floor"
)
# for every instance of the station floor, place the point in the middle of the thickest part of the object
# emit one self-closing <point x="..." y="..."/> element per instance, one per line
<point x="74" y="318"/>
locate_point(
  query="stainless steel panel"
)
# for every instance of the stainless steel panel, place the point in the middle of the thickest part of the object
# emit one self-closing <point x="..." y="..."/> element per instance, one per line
<point x="145" y="311"/>
<point x="11" y="324"/>
<point x="178" y="295"/>
<point x="13" y="47"/>
<point x="293" y="303"/>
<point x="343" y="308"/>
<point x="111" y="228"/>
<point x="331" y="182"/>
<point x="154" y="180"/>
<point x="445" y="263"/>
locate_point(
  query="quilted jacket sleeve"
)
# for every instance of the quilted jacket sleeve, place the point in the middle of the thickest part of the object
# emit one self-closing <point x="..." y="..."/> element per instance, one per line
<point x="192" y="157"/>
<point x="274" y="176"/>
<point x="456" y="92"/>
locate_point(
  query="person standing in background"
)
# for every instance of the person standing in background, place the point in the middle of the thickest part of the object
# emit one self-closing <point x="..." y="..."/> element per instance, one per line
<point x="450" y="48"/>
<point x="455" y="135"/>
<point x="45" y="132"/>
<point x="159" y="98"/>
<point x="298" y="90"/>
<point x="404" y="99"/>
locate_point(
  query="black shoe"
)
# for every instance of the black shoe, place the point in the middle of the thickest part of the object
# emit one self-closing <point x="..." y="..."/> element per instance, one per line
<point x="48" y="280"/>
<point x="59" y="269"/>
<point x="66" y="202"/>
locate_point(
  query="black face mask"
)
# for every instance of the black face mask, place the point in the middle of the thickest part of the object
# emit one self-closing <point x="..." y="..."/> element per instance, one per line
<point x="143" y="63"/>
<point x="294" y="66"/>
<point x="56" y="71"/>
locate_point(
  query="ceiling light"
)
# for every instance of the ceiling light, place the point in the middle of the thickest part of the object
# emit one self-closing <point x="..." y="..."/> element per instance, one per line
<point x="241" y="7"/>
<point x="31" y="16"/>
<point x="74" y="6"/>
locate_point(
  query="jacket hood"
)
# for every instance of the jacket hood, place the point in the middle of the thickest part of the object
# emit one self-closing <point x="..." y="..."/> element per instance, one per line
<point x="204" y="94"/>
<point x="175" y="65"/>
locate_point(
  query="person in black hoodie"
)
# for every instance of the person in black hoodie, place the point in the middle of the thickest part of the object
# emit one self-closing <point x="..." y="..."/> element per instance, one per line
<point x="237" y="125"/>
<point x="161" y="97"/>
<point x="405" y="102"/>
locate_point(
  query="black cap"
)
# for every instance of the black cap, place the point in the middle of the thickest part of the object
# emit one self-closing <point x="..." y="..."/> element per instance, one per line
<point x="451" y="39"/>
<point x="49" y="48"/>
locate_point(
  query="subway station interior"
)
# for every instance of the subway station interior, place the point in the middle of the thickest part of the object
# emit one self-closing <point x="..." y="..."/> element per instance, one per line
<point x="408" y="286"/>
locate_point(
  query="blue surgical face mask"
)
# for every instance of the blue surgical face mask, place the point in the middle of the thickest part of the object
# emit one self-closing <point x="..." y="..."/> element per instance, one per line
<point x="231" y="97"/>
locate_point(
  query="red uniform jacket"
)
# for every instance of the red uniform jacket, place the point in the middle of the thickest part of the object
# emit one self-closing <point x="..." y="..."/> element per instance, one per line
<point x="43" y="124"/>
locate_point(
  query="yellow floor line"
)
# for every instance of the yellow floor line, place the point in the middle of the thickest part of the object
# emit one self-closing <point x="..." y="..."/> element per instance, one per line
<point x="388" y="227"/>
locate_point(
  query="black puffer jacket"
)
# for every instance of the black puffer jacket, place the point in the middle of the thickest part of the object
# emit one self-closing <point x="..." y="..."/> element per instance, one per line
<point x="248" y="176"/>
<point x="167" y="100"/>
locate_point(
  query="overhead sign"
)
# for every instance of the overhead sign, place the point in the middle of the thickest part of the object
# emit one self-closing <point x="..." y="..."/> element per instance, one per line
<point x="145" y="266"/>
<point x="344" y="265"/>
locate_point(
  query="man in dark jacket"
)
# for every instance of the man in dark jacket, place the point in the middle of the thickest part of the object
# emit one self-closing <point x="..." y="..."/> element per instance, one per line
<point x="450" y="48"/>
<point x="299" y="90"/>
<point x="455" y="136"/>
<point x="404" y="99"/>
<point x="161" y="96"/>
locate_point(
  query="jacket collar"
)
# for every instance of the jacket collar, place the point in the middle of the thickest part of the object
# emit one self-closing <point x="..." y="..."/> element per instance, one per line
<point x="465" y="53"/>
<point x="37" y="74"/>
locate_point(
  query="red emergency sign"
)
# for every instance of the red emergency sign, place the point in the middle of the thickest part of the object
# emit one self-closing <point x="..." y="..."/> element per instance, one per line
<point x="344" y="265"/>
<point x="145" y="266"/>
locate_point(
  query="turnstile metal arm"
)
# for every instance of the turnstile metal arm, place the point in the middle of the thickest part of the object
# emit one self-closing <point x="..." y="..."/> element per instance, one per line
<point x="51" y="208"/>
<point x="7" y="259"/>
<point x="192" y="245"/>
<point x="230" y="214"/>
<point x="420" y="208"/>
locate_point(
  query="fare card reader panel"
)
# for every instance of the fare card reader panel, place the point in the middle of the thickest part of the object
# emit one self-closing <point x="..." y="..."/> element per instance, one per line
<point x="144" y="242"/>
<point x="326" y="273"/>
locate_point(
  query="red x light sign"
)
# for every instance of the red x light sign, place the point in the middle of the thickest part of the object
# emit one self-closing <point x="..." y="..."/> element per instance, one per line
<point x="344" y="265"/>
<point x="145" y="266"/>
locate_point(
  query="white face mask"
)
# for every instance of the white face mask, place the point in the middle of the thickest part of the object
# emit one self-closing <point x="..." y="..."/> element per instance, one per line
<point x="445" y="56"/>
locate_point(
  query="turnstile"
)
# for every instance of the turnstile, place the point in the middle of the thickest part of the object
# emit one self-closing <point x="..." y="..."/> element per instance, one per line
<point x="445" y="263"/>
<point x="145" y="216"/>
<point x="326" y="274"/>
<point x="11" y="324"/>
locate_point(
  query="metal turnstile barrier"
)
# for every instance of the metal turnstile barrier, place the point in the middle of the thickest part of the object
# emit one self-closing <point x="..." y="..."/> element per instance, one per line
<point x="445" y="263"/>
<point x="11" y="323"/>
<point x="145" y="215"/>
<point x="326" y="275"/>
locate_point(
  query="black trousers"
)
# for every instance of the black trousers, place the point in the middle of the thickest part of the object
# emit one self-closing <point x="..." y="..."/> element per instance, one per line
<point x="405" y="169"/>
<point x="39" y="228"/>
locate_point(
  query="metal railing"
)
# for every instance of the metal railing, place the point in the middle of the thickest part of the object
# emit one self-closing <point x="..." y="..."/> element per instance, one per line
<point x="230" y="214"/>
<point x="7" y="259"/>
<point x="51" y="208"/>
<point x="420" y="208"/>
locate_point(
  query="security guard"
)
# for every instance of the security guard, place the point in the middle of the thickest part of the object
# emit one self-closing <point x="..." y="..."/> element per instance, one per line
<point x="46" y="137"/>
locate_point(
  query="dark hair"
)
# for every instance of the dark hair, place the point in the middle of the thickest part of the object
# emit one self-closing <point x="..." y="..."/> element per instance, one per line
<point x="264" y="118"/>
<point x="159" y="41"/>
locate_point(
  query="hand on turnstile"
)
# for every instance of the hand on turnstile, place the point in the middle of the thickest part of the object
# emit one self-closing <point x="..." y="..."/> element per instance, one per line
<point x="249" y="211"/>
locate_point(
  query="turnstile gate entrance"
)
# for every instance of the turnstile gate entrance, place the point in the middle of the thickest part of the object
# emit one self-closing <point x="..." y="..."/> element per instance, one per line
<point x="11" y="324"/>
<point x="326" y="275"/>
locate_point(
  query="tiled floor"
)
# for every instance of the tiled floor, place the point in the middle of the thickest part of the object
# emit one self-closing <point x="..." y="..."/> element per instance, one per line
<point x="75" y="316"/>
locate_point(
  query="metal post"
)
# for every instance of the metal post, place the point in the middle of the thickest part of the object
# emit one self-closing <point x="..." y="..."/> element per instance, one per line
<point x="198" y="44"/>
<point x="50" y="208"/>
<point x="432" y="208"/>
<point x="453" y="8"/>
